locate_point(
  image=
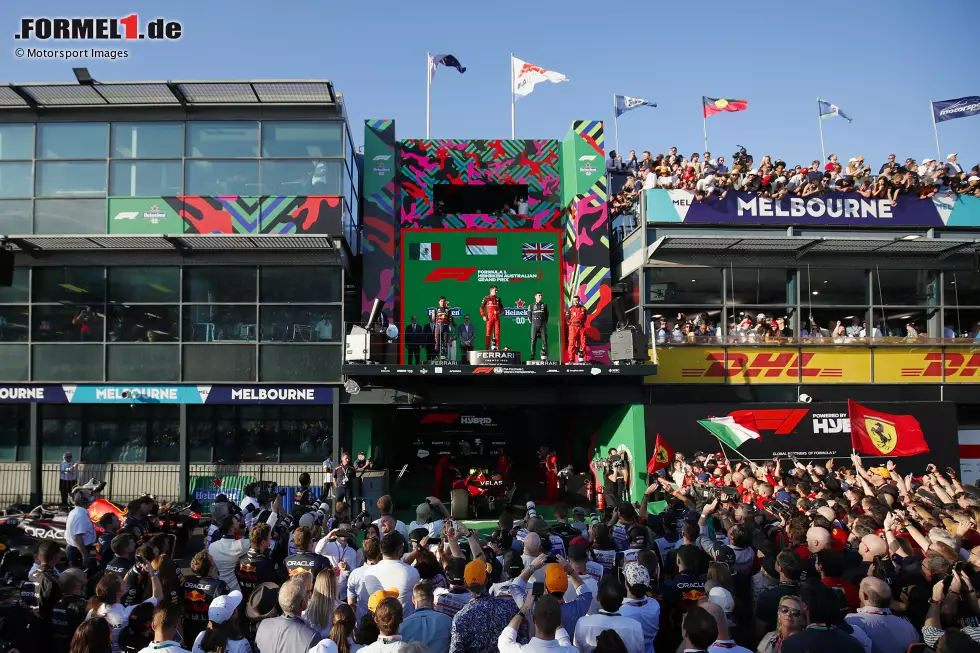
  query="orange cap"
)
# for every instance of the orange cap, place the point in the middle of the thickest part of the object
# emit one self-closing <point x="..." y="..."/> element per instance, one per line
<point x="475" y="573"/>
<point x="375" y="600"/>
<point x="555" y="578"/>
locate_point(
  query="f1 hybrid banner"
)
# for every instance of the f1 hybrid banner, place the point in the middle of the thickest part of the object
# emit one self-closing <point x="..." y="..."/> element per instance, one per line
<point x="164" y="394"/>
<point x="811" y="432"/>
<point x="831" y="209"/>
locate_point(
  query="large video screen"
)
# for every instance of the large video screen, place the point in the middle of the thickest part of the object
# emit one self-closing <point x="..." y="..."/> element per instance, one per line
<point x="462" y="265"/>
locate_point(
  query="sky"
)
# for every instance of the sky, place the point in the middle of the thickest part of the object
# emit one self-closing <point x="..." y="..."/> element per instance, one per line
<point x="881" y="63"/>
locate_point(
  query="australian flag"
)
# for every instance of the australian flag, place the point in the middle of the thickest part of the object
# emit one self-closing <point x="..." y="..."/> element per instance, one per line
<point x="538" y="251"/>
<point x="447" y="60"/>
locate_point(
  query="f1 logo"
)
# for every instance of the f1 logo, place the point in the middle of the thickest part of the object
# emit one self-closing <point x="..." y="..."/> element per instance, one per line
<point x="450" y="274"/>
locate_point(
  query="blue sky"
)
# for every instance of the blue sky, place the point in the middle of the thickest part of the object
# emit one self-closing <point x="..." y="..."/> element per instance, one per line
<point x="880" y="62"/>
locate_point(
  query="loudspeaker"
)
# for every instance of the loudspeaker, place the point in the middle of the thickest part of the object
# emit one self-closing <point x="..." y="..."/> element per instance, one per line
<point x="6" y="268"/>
<point x="628" y="345"/>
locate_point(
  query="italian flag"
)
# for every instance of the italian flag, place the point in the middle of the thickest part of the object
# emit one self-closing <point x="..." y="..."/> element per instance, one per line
<point x="731" y="432"/>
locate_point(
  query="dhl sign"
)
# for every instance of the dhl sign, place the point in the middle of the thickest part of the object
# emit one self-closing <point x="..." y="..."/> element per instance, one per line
<point x="815" y="365"/>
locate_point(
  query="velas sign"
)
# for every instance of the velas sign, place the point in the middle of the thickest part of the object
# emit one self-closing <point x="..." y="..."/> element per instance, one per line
<point x="165" y="394"/>
<point x="830" y="209"/>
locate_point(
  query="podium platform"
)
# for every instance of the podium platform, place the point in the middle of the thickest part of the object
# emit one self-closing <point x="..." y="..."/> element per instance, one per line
<point x="494" y="357"/>
<point x="498" y="370"/>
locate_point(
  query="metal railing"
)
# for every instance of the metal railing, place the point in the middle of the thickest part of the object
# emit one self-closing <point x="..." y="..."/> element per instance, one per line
<point x="15" y="483"/>
<point x="124" y="481"/>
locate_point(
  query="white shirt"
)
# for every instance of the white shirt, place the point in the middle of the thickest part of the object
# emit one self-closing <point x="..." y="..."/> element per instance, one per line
<point x="434" y="527"/>
<point x="170" y="646"/>
<point x="399" y="526"/>
<point x="226" y="553"/>
<point x="730" y="647"/>
<point x="592" y="584"/>
<point x="357" y="590"/>
<point x="386" y="575"/>
<point x="588" y="629"/>
<point x="249" y="507"/>
<point x="507" y="643"/>
<point x="117" y="616"/>
<point x="385" y="644"/>
<point x="79" y="523"/>
<point x="339" y="551"/>
<point x="234" y="645"/>
<point x="646" y="612"/>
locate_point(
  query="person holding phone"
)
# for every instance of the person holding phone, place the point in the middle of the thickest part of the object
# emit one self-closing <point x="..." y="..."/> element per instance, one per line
<point x="556" y="580"/>
<point x="546" y="619"/>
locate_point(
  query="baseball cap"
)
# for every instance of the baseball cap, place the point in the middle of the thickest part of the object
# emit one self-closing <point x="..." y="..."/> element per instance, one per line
<point x="722" y="598"/>
<point x="950" y="155"/>
<point x="555" y="578"/>
<point x="852" y="160"/>
<point x="636" y="574"/>
<point x="263" y="602"/>
<point x="423" y="512"/>
<point x="726" y="554"/>
<point x="828" y="513"/>
<point x="307" y="519"/>
<point x="638" y="537"/>
<point x="475" y="573"/>
<point x="456" y="571"/>
<point x="578" y="511"/>
<point x="375" y="599"/>
<point x="973" y="178"/>
<point x="880" y="471"/>
<point x="223" y="607"/>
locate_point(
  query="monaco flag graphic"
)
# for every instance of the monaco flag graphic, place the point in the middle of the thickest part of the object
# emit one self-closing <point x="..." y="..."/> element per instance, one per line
<point x="526" y="75"/>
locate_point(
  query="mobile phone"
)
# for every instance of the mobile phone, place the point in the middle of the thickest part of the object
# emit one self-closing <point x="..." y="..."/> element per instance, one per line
<point x="537" y="590"/>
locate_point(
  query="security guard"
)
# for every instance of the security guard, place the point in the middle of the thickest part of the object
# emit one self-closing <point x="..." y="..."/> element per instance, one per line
<point x="39" y="594"/>
<point x="306" y="561"/>
<point x="199" y="590"/>
<point x="69" y="612"/>
<point x="257" y="567"/>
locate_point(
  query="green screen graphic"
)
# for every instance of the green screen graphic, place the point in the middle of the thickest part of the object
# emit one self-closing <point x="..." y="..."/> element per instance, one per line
<point x="462" y="265"/>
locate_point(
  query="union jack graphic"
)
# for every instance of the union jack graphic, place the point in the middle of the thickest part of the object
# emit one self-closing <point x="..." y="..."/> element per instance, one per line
<point x="538" y="251"/>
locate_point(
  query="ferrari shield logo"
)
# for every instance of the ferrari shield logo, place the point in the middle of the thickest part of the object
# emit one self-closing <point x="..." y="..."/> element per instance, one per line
<point x="662" y="455"/>
<point x="882" y="434"/>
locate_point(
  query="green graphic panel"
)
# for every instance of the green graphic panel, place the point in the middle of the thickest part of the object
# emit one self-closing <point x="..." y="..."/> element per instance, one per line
<point x="143" y="216"/>
<point x="464" y="277"/>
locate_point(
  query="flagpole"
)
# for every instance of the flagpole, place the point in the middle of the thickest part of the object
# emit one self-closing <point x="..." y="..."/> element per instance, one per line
<point x="704" y="119"/>
<point x="428" y="88"/>
<point x="935" y="129"/>
<point x="511" y="76"/>
<point x="616" y="122"/>
<point x="823" y="153"/>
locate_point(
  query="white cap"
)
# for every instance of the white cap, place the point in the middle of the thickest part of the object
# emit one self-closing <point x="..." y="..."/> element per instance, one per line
<point x="223" y="607"/>
<point x="927" y="160"/>
<point x="753" y="171"/>
<point x="852" y="160"/>
<point x="722" y="598"/>
<point x="950" y="156"/>
<point x="973" y="178"/>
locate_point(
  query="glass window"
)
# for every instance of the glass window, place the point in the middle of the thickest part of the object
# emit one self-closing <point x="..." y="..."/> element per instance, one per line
<point x="301" y="323"/>
<point x="220" y="323"/>
<point x="144" y="284"/>
<point x="894" y="323"/>
<point x="143" y="363"/>
<point x="227" y="178"/>
<point x="302" y="139"/>
<point x="68" y="323"/>
<point x="225" y="138"/>
<point x="295" y="363"/>
<point x="17" y="291"/>
<point x="71" y="179"/>
<point x="962" y="323"/>
<point x="61" y="431"/>
<point x="760" y="329"/>
<point x="833" y="287"/>
<point x="679" y="324"/>
<point x="75" y="217"/>
<point x="905" y="288"/>
<point x="115" y="434"/>
<point x="684" y="285"/>
<point x="758" y="286"/>
<point x="307" y="434"/>
<point x="73" y="285"/>
<point x="16" y="141"/>
<point x="143" y="323"/>
<point x="147" y="140"/>
<point x="15" y="438"/>
<point x="72" y="140"/>
<point x="295" y="284"/>
<point x="145" y="178"/>
<point x="164" y="434"/>
<point x="219" y="284"/>
<point x="16" y="179"/>
<point x="67" y="362"/>
<point x="301" y="177"/>
<point x="822" y="323"/>
<point x="13" y="323"/>
<point x="219" y="363"/>
<point x="961" y="288"/>
<point x="13" y="363"/>
<point x="200" y="429"/>
<point x="16" y="217"/>
<point x="259" y="432"/>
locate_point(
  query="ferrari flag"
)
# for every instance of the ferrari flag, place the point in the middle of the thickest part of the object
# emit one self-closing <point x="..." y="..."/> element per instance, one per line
<point x="663" y="455"/>
<point x="713" y="105"/>
<point x="525" y="75"/>
<point x="881" y="434"/>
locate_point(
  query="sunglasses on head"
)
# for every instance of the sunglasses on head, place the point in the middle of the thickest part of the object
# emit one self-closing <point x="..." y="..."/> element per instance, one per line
<point x="792" y="612"/>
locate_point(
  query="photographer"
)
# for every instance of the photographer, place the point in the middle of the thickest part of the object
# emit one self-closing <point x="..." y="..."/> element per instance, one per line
<point x="423" y="517"/>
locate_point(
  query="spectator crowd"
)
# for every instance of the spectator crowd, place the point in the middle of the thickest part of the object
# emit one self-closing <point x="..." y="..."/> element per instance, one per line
<point x="780" y="557"/>
<point x="710" y="177"/>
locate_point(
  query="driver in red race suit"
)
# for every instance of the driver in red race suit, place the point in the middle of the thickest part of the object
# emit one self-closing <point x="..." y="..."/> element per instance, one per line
<point x="576" y="316"/>
<point x="490" y="308"/>
<point x="551" y="470"/>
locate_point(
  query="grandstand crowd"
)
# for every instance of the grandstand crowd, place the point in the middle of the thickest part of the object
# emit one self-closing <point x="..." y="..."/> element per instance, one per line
<point x="782" y="557"/>
<point x="712" y="177"/>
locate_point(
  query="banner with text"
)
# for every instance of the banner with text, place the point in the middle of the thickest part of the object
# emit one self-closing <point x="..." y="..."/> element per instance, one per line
<point x="165" y="394"/>
<point x="831" y="209"/>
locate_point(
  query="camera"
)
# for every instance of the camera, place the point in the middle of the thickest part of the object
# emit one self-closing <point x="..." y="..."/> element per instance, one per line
<point x="532" y="512"/>
<point x="594" y="518"/>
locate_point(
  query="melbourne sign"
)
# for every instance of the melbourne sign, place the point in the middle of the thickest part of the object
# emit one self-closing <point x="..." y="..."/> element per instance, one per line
<point x="165" y="394"/>
<point x="828" y="209"/>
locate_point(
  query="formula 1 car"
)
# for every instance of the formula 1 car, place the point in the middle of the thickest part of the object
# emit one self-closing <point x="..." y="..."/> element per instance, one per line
<point x="480" y="493"/>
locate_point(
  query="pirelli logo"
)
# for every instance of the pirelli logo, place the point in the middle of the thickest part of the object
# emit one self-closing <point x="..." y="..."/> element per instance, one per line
<point x="768" y="365"/>
<point x="957" y="366"/>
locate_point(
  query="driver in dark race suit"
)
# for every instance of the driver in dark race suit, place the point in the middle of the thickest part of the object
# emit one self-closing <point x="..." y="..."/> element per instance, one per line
<point x="490" y="308"/>
<point x="538" y="312"/>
